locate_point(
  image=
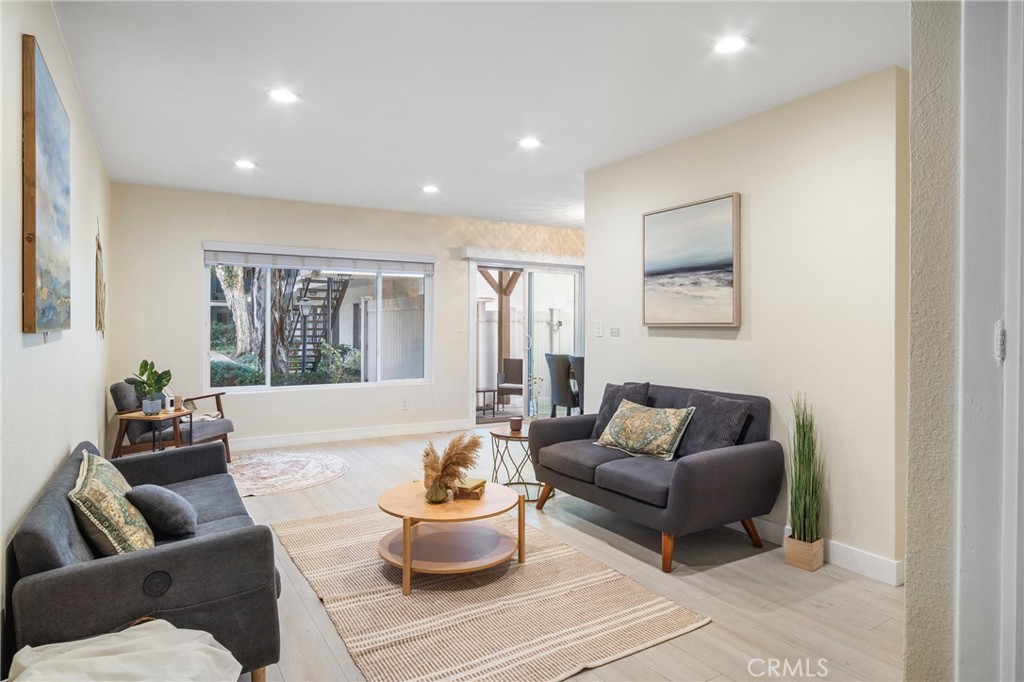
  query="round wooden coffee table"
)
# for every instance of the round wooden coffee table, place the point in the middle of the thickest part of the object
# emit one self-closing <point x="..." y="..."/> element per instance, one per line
<point x="443" y="538"/>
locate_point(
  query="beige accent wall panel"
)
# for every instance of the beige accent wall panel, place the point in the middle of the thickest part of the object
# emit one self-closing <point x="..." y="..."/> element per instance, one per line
<point x="820" y="217"/>
<point x="158" y="238"/>
<point x="931" y="453"/>
<point x="52" y="386"/>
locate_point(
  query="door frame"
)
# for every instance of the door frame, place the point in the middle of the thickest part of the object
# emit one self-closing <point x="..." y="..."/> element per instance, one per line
<point x="990" y="471"/>
<point x="526" y="266"/>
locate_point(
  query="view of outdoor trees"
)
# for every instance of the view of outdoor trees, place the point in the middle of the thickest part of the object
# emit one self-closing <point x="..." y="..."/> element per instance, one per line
<point x="321" y="346"/>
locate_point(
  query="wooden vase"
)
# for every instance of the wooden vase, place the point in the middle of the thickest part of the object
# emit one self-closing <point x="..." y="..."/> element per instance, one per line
<point x="810" y="556"/>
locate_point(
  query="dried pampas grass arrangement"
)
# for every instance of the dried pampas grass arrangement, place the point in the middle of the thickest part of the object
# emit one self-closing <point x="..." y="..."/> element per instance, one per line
<point x="431" y="464"/>
<point x="459" y="457"/>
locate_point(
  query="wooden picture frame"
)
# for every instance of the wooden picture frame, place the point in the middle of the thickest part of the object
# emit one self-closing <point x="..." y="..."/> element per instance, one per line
<point x="101" y="286"/>
<point x="46" y="198"/>
<point x="692" y="264"/>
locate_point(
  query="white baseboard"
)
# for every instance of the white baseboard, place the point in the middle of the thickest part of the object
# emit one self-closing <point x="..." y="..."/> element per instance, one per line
<point x="888" y="571"/>
<point x="355" y="433"/>
<point x="768" y="530"/>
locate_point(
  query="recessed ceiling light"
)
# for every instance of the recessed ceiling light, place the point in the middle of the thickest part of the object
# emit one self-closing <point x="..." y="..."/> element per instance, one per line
<point x="530" y="143"/>
<point x="283" y="96"/>
<point x="730" y="44"/>
<point x="245" y="164"/>
<point x="431" y="189"/>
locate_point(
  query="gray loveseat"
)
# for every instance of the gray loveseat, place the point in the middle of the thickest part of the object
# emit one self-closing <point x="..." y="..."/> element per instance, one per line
<point x="683" y="495"/>
<point x="221" y="580"/>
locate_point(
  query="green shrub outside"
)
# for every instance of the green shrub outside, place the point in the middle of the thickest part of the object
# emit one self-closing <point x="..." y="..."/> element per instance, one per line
<point x="338" y="365"/>
<point x="341" y="363"/>
<point x="234" y="374"/>
<point x="222" y="337"/>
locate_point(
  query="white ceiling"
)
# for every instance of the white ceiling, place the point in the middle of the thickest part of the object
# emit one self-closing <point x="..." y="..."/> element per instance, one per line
<point x="398" y="95"/>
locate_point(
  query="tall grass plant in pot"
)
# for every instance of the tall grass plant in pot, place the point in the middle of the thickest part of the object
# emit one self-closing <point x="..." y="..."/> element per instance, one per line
<point x="805" y="548"/>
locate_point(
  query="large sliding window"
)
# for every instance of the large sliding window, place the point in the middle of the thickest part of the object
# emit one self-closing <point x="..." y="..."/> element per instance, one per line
<point x="285" y="318"/>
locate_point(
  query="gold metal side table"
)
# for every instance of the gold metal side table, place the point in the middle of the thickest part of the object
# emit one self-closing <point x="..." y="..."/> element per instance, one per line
<point x="512" y="459"/>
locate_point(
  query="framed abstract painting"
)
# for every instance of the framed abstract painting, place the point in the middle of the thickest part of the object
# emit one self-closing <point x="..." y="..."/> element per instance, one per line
<point x="692" y="264"/>
<point x="46" y="198"/>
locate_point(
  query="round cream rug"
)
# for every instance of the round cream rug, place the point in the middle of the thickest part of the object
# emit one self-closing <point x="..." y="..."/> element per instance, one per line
<point x="268" y="473"/>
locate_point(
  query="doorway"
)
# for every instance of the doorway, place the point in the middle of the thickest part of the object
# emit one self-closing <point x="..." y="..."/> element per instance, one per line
<point x="522" y="313"/>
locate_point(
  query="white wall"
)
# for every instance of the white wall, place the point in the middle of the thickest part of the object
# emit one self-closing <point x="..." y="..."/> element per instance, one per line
<point x="158" y="233"/>
<point x="820" y="220"/>
<point x="52" y="392"/>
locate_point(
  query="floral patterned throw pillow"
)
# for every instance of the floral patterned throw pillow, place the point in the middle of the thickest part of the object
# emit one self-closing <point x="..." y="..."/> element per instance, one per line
<point x="641" y="430"/>
<point x="105" y="516"/>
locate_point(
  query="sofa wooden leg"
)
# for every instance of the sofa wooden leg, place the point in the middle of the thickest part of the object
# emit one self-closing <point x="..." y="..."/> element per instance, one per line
<point x="748" y="525"/>
<point x="227" y="448"/>
<point x="545" y="492"/>
<point x="668" y="548"/>
<point x="258" y="675"/>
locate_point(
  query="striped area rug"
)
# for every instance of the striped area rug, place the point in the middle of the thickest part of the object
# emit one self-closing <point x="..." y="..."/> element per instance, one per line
<point x="547" y="619"/>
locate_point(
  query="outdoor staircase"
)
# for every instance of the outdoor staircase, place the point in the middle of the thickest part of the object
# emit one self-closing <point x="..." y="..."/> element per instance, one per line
<point x="326" y="293"/>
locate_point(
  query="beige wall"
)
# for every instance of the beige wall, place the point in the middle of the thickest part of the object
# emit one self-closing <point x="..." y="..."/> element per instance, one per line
<point x="931" y="456"/>
<point x="821" y="217"/>
<point x="158" y="233"/>
<point x="902" y="303"/>
<point x="52" y="393"/>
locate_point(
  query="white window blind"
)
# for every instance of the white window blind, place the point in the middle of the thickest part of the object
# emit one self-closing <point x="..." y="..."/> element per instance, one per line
<point x="283" y="257"/>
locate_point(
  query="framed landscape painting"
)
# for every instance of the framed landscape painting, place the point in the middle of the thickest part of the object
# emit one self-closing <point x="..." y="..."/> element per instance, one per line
<point x="692" y="264"/>
<point x="46" y="198"/>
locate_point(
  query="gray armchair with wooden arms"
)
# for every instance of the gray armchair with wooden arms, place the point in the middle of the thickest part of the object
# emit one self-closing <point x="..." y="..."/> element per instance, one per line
<point x="140" y="436"/>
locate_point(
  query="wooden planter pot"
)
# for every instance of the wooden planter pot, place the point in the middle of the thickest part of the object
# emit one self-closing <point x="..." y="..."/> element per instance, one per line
<point x="809" y="556"/>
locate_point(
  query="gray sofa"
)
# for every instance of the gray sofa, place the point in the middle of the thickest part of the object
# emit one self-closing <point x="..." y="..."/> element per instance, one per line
<point x="221" y="580"/>
<point x="683" y="495"/>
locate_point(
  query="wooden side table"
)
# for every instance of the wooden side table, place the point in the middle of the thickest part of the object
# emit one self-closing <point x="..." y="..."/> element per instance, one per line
<point x="482" y="394"/>
<point x="140" y="416"/>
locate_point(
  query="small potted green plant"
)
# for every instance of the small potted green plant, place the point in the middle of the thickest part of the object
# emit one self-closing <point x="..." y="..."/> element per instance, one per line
<point x="149" y="384"/>
<point x="805" y="547"/>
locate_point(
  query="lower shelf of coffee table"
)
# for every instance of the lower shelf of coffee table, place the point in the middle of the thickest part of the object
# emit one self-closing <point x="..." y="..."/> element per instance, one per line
<point x="460" y="547"/>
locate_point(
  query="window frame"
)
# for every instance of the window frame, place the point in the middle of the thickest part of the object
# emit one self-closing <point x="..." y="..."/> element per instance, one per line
<point x="379" y="274"/>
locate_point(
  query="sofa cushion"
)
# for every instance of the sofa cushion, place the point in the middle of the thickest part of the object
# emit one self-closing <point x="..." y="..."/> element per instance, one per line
<point x="613" y="397"/>
<point x="717" y="422"/>
<point x="221" y="525"/>
<point x="111" y="523"/>
<point x="642" y="478"/>
<point x="646" y="431"/>
<point x="756" y="427"/>
<point x="165" y="510"/>
<point x="578" y="458"/>
<point x="210" y="527"/>
<point x="201" y="431"/>
<point x="214" y="497"/>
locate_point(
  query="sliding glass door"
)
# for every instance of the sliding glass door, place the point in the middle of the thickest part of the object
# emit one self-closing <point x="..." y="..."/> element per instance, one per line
<point x="554" y="325"/>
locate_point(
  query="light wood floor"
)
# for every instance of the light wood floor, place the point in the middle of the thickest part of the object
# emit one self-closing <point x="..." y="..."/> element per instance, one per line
<point x="760" y="608"/>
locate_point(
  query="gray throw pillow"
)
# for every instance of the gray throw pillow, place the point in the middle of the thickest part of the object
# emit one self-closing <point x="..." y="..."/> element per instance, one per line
<point x="717" y="423"/>
<point x="613" y="395"/>
<point x="165" y="510"/>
